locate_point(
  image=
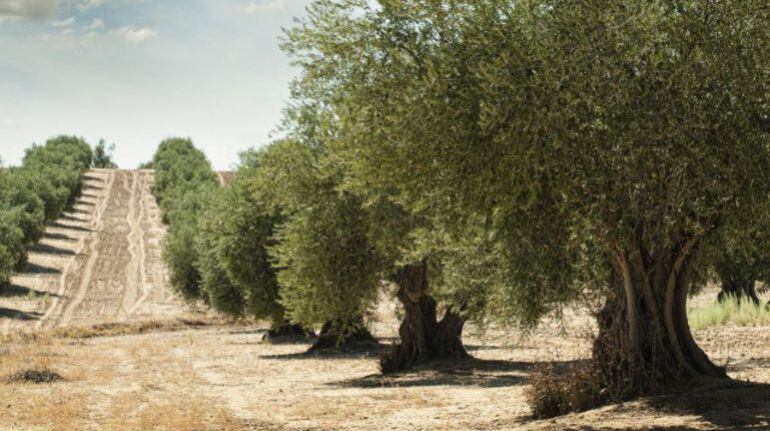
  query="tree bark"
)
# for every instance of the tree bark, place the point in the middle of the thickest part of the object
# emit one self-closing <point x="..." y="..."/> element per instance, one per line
<point x="422" y="337"/>
<point x="645" y="342"/>
<point x="335" y="334"/>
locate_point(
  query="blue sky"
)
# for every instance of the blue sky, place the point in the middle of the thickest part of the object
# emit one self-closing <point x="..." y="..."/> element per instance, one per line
<point x="136" y="71"/>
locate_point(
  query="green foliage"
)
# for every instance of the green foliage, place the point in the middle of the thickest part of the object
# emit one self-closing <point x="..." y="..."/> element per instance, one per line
<point x="244" y="229"/>
<point x="183" y="181"/>
<point x="36" y="193"/>
<point x="328" y="268"/>
<point x="178" y="163"/>
<point x="103" y="155"/>
<point x="221" y="293"/>
<point x="571" y="130"/>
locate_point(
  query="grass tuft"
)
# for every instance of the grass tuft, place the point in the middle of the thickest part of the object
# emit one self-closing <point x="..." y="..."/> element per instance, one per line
<point x="730" y="311"/>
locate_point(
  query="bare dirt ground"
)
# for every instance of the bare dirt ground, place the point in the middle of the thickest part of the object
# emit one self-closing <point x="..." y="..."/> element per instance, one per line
<point x="161" y="374"/>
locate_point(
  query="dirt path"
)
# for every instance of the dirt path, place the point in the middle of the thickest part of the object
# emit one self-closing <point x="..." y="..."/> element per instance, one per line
<point x="99" y="263"/>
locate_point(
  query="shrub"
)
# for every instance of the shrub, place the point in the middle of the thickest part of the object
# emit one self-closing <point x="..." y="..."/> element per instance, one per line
<point x="555" y="392"/>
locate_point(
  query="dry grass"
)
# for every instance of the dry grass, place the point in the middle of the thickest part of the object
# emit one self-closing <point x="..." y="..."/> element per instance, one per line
<point x="730" y="311"/>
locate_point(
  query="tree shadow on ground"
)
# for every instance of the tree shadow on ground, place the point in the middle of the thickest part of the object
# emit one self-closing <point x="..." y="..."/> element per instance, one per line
<point x="49" y="249"/>
<point x="459" y="372"/>
<point x="357" y="350"/>
<point x="72" y="218"/>
<point x="35" y="269"/>
<point x="726" y="404"/>
<point x="10" y="313"/>
<point x="14" y="290"/>
<point x="93" y="178"/>
<point x="70" y="227"/>
<point x="59" y="237"/>
<point x="87" y="195"/>
<point x="78" y="211"/>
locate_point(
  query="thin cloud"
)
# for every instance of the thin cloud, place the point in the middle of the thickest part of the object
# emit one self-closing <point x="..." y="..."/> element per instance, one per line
<point x="253" y="7"/>
<point x="64" y="22"/>
<point x="135" y="34"/>
<point x="96" y="24"/>
<point x="29" y="9"/>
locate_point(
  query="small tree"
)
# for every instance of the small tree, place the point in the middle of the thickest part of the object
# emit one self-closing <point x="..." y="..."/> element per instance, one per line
<point x="326" y="266"/>
<point x="103" y="155"/>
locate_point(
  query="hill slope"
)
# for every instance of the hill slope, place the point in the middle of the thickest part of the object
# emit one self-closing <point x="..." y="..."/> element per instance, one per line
<point x="99" y="263"/>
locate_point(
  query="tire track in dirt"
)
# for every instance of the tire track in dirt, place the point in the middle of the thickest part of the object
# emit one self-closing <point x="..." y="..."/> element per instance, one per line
<point x="55" y="310"/>
<point x="131" y="288"/>
<point x="140" y="239"/>
<point x="93" y="255"/>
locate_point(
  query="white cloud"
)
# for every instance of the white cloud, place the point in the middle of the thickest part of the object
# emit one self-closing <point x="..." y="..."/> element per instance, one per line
<point x="30" y="9"/>
<point x="66" y="32"/>
<point x="89" y="4"/>
<point x="95" y="24"/>
<point x="134" y="34"/>
<point x="64" y="22"/>
<point x="253" y="7"/>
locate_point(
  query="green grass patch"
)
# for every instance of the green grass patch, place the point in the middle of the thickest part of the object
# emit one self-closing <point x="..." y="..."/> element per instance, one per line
<point x="730" y="311"/>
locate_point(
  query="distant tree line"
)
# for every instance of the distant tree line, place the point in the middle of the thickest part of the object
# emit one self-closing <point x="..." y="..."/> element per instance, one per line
<point x="37" y="193"/>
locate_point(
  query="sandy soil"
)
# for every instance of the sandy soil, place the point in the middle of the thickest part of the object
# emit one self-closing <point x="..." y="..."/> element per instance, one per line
<point x="224" y="378"/>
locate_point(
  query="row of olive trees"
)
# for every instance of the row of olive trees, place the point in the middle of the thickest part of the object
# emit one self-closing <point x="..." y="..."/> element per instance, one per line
<point x="37" y="193"/>
<point x="551" y="147"/>
<point x="494" y="160"/>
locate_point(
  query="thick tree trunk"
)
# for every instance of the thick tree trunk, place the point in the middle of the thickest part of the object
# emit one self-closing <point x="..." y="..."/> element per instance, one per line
<point x="336" y="335"/>
<point x="644" y="341"/>
<point x="736" y="285"/>
<point x="422" y="337"/>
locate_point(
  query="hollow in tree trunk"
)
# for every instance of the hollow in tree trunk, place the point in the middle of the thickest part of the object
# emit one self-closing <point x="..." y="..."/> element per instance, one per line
<point x="337" y="335"/>
<point x="423" y="337"/>
<point x="736" y="284"/>
<point x="644" y="342"/>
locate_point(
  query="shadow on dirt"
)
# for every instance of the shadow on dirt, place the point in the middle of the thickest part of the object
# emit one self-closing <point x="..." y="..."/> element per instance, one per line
<point x="33" y="268"/>
<point x="9" y="313"/>
<point x="87" y="195"/>
<point x="727" y="404"/>
<point x="357" y="350"/>
<point x="78" y="211"/>
<point x="49" y="249"/>
<point x="14" y="290"/>
<point x="70" y="227"/>
<point x="72" y="218"/>
<point x="466" y="372"/>
<point x="58" y="237"/>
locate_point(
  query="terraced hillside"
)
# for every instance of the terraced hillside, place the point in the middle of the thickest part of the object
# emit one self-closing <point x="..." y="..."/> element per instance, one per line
<point x="99" y="263"/>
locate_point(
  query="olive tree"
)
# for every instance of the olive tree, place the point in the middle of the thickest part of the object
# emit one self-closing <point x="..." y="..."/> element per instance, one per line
<point x="326" y="266"/>
<point x="619" y="135"/>
<point x="236" y="231"/>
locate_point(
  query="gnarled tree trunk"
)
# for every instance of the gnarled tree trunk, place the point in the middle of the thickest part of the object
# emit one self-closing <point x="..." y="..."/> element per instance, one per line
<point x="336" y="334"/>
<point x="422" y="337"/>
<point x="645" y="342"/>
